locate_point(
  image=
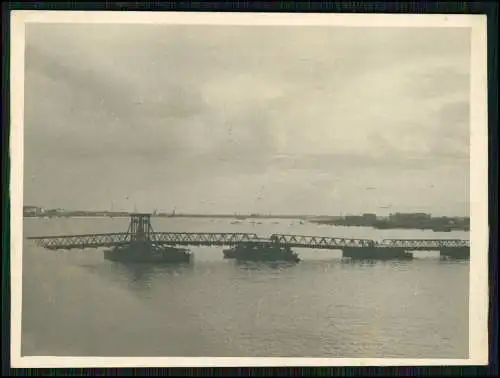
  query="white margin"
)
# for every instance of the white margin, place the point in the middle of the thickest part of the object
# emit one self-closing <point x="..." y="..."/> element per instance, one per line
<point x="478" y="300"/>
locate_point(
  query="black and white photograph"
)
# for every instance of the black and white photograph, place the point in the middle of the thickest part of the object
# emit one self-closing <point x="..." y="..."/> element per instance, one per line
<point x="248" y="187"/>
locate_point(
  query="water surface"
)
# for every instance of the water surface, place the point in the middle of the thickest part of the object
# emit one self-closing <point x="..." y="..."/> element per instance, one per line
<point x="77" y="304"/>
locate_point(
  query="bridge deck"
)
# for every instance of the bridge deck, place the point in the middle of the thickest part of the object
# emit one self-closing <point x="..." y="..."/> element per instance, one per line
<point x="320" y="242"/>
<point x="425" y="244"/>
<point x="232" y="239"/>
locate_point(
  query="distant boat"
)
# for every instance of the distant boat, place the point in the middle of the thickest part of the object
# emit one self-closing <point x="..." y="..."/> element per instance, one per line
<point x="382" y="225"/>
<point x="441" y="229"/>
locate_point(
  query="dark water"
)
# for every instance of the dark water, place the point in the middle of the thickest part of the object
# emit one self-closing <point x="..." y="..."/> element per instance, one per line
<point x="77" y="304"/>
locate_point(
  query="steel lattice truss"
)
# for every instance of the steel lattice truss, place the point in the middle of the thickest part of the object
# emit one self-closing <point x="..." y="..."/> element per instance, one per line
<point x="83" y="241"/>
<point x="320" y="242"/>
<point x="203" y="238"/>
<point x="231" y="239"/>
<point x="160" y="238"/>
<point x="425" y="244"/>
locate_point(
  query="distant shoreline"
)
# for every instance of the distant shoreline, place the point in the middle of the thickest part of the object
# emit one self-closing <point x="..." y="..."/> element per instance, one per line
<point x="440" y="224"/>
<point x="213" y="216"/>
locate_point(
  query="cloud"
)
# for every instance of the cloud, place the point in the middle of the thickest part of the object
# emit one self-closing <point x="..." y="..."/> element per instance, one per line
<point x="199" y="104"/>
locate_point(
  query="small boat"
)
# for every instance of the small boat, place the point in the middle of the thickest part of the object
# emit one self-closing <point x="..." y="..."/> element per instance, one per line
<point x="442" y="229"/>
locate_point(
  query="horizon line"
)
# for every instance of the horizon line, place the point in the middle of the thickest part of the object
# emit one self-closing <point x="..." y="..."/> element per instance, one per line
<point x="236" y="214"/>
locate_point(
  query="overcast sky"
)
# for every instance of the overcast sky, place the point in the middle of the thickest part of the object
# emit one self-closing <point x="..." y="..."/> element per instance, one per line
<point x="318" y="120"/>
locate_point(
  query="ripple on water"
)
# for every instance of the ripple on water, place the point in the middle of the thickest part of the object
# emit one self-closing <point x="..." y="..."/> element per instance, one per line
<point x="76" y="303"/>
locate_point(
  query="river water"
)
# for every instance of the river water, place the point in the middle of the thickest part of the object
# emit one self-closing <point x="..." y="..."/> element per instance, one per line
<point x="77" y="304"/>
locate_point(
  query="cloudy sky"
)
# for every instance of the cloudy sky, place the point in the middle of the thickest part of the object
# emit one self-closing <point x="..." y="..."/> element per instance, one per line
<point x="317" y="120"/>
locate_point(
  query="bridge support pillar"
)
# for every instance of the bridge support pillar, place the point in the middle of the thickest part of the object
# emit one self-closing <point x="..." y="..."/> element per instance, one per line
<point x="143" y="247"/>
<point x="376" y="253"/>
<point x="462" y="253"/>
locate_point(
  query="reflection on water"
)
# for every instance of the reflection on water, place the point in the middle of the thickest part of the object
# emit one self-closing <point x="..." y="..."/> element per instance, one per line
<point x="77" y="303"/>
<point x="350" y="261"/>
<point x="142" y="276"/>
<point x="260" y="265"/>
